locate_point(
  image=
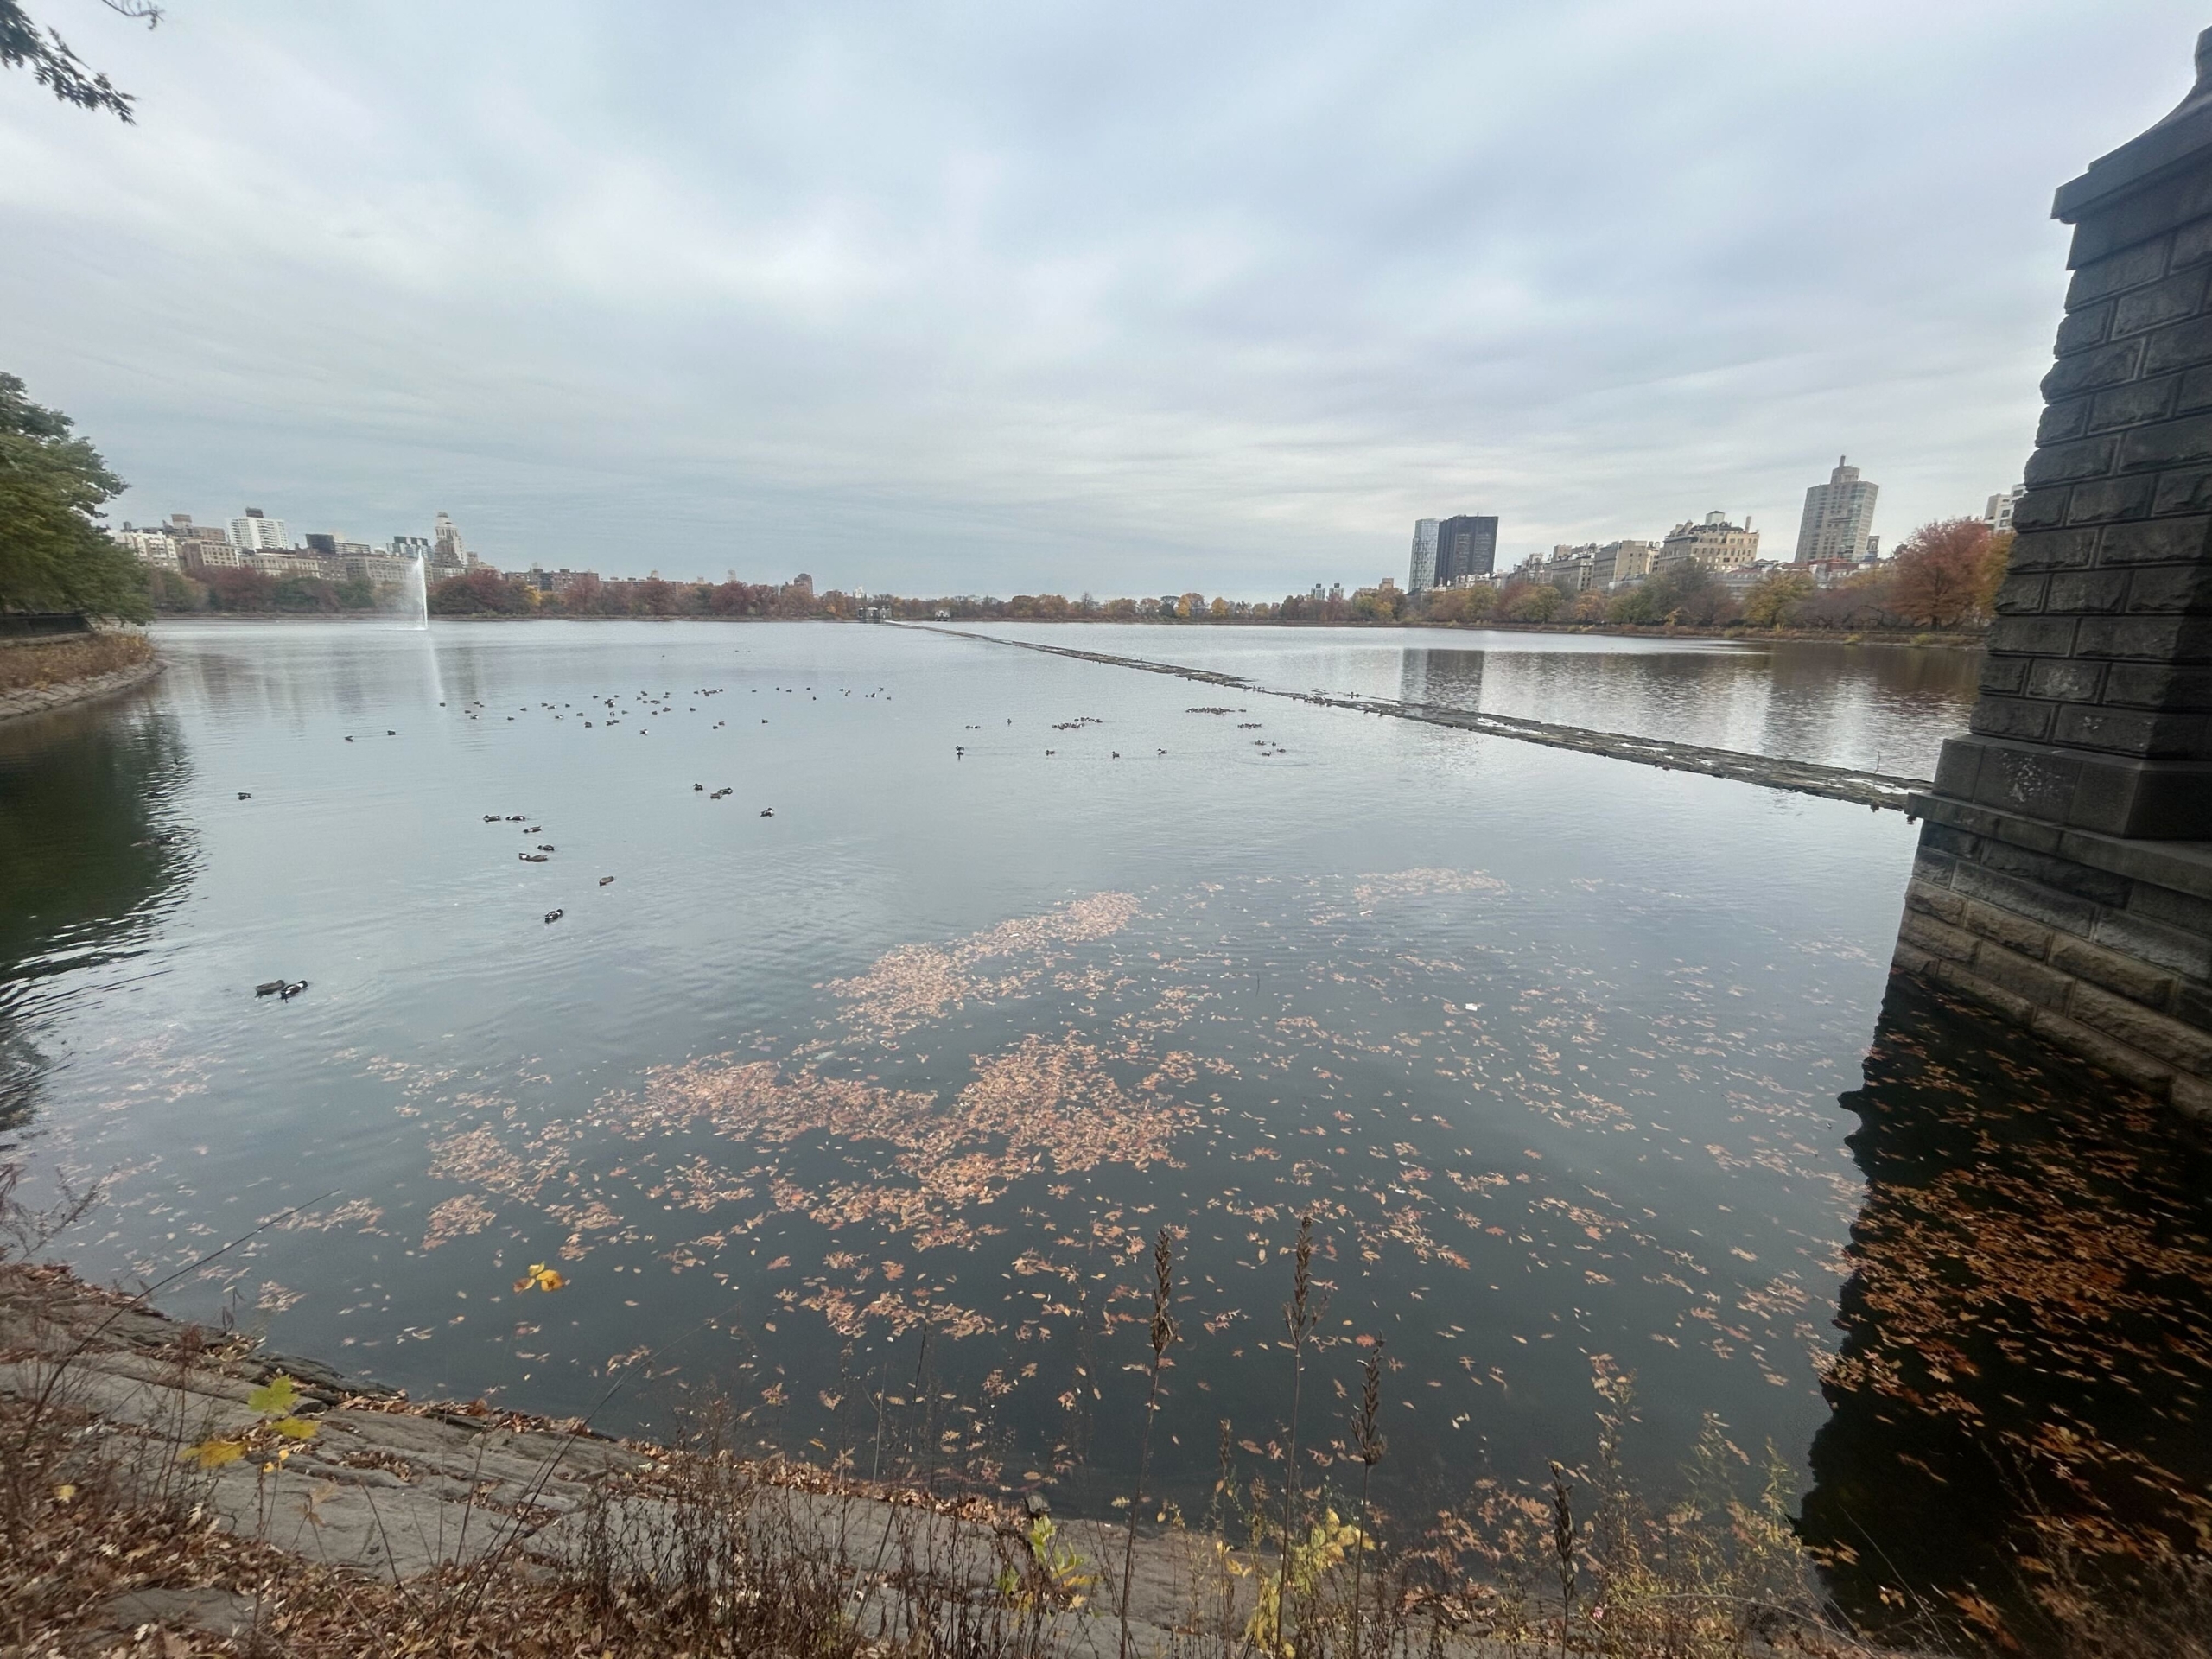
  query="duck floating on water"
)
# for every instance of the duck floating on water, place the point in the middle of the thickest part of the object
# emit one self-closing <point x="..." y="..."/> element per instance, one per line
<point x="285" y="994"/>
<point x="552" y="916"/>
<point x="767" y="812"/>
<point x="604" y="880"/>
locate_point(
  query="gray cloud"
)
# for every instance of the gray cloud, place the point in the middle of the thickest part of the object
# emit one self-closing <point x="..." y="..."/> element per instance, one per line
<point x="1002" y="297"/>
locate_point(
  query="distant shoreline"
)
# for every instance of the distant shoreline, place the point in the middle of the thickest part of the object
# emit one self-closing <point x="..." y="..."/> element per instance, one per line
<point x="1925" y="640"/>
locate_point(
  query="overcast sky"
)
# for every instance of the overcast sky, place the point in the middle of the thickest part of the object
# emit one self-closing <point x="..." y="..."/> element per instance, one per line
<point x="1015" y="295"/>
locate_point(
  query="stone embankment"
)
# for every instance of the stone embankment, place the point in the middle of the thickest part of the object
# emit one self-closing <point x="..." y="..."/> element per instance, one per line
<point x="1869" y="789"/>
<point x="39" y="675"/>
<point x="387" y="1489"/>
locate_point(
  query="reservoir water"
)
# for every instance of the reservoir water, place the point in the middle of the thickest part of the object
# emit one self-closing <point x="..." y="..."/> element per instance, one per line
<point x="901" y="988"/>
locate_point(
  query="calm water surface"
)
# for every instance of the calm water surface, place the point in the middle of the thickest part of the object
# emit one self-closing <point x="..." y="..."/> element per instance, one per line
<point x="1883" y="707"/>
<point x="885" y="1094"/>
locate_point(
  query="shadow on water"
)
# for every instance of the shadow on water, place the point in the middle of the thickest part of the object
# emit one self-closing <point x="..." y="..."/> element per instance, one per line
<point x="91" y="852"/>
<point x="2019" y="1402"/>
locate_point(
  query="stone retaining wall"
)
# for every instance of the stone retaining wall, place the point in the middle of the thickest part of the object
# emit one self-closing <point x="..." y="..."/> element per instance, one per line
<point x="2101" y="945"/>
<point x="38" y="699"/>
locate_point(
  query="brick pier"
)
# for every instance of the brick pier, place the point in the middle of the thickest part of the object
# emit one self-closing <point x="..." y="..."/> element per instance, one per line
<point x="2065" y="875"/>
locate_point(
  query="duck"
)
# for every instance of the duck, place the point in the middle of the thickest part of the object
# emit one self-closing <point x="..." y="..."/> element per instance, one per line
<point x="552" y="916"/>
<point x="387" y="732"/>
<point x="349" y="740"/>
<point x="287" y="993"/>
<point x="767" y="812"/>
<point x="698" y="789"/>
<point x="268" y="988"/>
<point x="546" y="846"/>
<point x="245" y="794"/>
<point x="491" y="818"/>
<point x="604" y="880"/>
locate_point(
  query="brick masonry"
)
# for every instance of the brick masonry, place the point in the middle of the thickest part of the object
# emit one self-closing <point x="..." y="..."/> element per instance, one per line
<point x="2065" y="875"/>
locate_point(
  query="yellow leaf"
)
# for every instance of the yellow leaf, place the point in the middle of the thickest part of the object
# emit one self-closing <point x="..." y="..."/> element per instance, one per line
<point x="542" y="1277"/>
<point x="273" y="1398"/>
<point x="294" y="1428"/>
<point x="63" y="1493"/>
<point x="214" y="1454"/>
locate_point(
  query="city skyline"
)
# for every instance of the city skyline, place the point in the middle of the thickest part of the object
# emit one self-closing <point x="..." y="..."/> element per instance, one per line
<point x="898" y="302"/>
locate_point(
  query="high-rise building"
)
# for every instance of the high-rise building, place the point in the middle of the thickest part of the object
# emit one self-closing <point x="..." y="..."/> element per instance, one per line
<point x="411" y="547"/>
<point x="1715" y="544"/>
<point x="1839" y="517"/>
<point x="1999" y="514"/>
<point x="448" y="556"/>
<point x="1422" y="577"/>
<point x="258" y="529"/>
<point x="1466" y="547"/>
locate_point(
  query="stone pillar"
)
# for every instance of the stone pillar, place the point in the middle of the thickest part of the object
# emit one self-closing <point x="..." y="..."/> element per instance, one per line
<point x="2065" y="875"/>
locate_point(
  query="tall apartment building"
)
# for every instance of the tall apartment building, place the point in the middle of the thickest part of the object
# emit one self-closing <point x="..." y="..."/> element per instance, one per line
<point x="1467" y="548"/>
<point x="1999" y="514"/>
<point x="1839" y="517"/>
<point x="448" y="556"/>
<point x="1714" y="543"/>
<point x="207" y="546"/>
<point x="1422" y="577"/>
<point x="258" y="529"/>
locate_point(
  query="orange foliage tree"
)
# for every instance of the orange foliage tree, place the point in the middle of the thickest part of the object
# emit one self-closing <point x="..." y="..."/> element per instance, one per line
<point x="1942" y="576"/>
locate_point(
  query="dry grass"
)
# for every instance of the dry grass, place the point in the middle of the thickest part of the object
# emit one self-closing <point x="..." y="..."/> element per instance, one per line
<point x="56" y="662"/>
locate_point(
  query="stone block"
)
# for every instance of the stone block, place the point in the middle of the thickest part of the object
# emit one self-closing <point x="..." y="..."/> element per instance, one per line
<point x="1911" y="959"/>
<point x="2128" y="267"/>
<point x="2062" y="910"/>
<point x="2006" y="675"/>
<point x="1943" y="838"/>
<point x="2054" y="870"/>
<point x="2016" y="932"/>
<point x="2153" y="305"/>
<point x="1937" y="938"/>
<point x="2137" y="982"/>
<point x="1958" y="766"/>
<point x="1961" y="978"/>
<point x="2183" y="638"/>
<point x="2192" y="244"/>
<point x="2172" y="948"/>
<point x="2092" y="324"/>
<point x="2106" y="501"/>
<point x="2045" y="986"/>
<point x="2062" y="463"/>
<point x="2109" y="365"/>
<point x="2060" y="421"/>
<point x="2163" y="904"/>
<point x="2041" y="509"/>
<point x="2034" y="636"/>
<point x="2133" y="405"/>
<point x="2129" y="1064"/>
<point x="2191" y="1096"/>
<point x="2052" y="549"/>
<point x="2184" y="443"/>
<point x="2196" y="393"/>
<point x="2158" y="685"/>
<point x="2020" y="717"/>
<point x="2170" y="587"/>
<point x="2131" y="731"/>
<point x="2035" y="782"/>
<point x="2158" y="540"/>
<point x="2067" y="679"/>
<point x="2182" y="346"/>
<point x="1932" y="870"/>
<point x="1940" y="902"/>
<point x="2077" y="592"/>
<point x="2184" y="1047"/>
<point x="2188" y="490"/>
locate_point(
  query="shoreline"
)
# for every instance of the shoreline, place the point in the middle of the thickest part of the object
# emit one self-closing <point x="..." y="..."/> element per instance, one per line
<point x="21" y="703"/>
<point x="1909" y="639"/>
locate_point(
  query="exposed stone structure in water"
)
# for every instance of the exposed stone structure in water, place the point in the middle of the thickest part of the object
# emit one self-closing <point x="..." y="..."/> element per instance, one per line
<point x="2064" y="877"/>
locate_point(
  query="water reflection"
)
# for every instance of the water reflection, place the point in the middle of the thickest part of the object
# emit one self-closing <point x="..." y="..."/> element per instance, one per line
<point x="91" y="855"/>
<point x="2027" y="1332"/>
